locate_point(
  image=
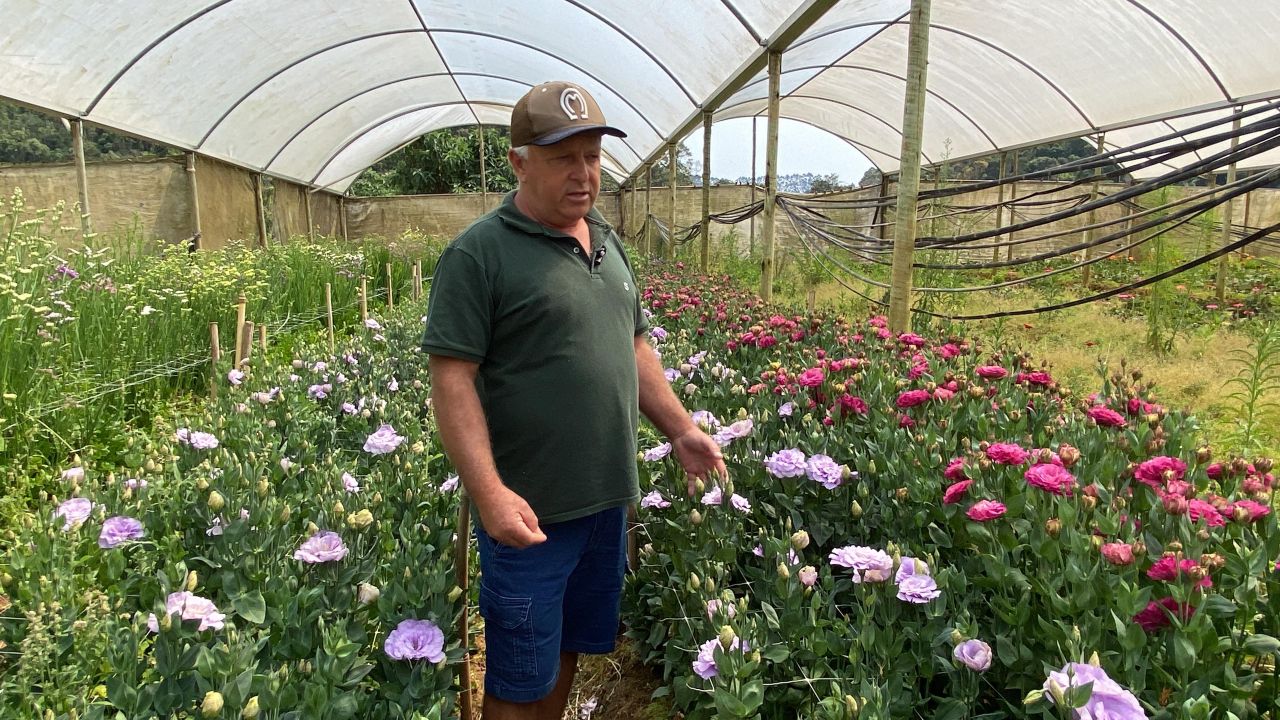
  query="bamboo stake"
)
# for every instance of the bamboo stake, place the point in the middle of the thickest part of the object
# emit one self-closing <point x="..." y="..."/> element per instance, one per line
<point x="1227" y="209"/>
<point x="484" y="182"/>
<point x="1086" y="274"/>
<point x="240" y="307"/>
<point x="417" y="266"/>
<point x="311" y="225"/>
<point x="461" y="560"/>
<point x="1013" y="201"/>
<point x="82" y="175"/>
<point x="706" y="192"/>
<point x="197" y="239"/>
<point x="904" y="235"/>
<point x="391" y="302"/>
<point x="995" y="251"/>
<point x="752" y="238"/>
<point x="262" y="339"/>
<point x="328" y="313"/>
<point x="364" y="299"/>
<point x="635" y="210"/>
<point x="342" y="217"/>
<point x="246" y="341"/>
<point x="215" y="358"/>
<point x="770" y="177"/>
<point x="261" y="209"/>
<point x="648" y="210"/>
<point x="672" y="178"/>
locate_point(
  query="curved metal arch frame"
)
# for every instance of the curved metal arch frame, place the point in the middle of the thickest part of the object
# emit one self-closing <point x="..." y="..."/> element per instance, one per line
<point x="435" y="47"/>
<point x="855" y="143"/>
<point x="399" y="114"/>
<point x="755" y="35"/>
<point x="553" y="56"/>
<point x="1186" y="44"/>
<point x="611" y="156"/>
<point x="295" y="63"/>
<point x="851" y="106"/>
<point x="613" y="26"/>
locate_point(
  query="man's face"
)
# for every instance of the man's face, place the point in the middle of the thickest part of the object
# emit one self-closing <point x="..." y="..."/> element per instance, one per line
<point x="560" y="182"/>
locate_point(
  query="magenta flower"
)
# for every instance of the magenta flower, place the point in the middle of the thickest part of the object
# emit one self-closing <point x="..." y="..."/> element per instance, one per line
<point x="812" y="377"/>
<point x="918" y="589"/>
<point x="1158" y="614"/>
<point x="1041" y="378"/>
<point x="991" y="372"/>
<point x="973" y="654"/>
<point x="1169" y="569"/>
<point x="825" y="471"/>
<point x="1198" y="509"/>
<point x="322" y="547"/>
<point x="1250" y="511"/>
<point x="955" y="470"/>
<point x="1107" y="699"/>
<point x="1007" y="454"/>
<point x="1117" y="553"/>
<point x="1050" y="478"/>
<point x="654" y="500"/>
<point x="1106" y="417"/>
<point x="911" y="339"/>
<point x="912" y="398"/>
<point x="985" y="510"/>
<point x="786" y="463"/>
<point x="119" y="530"/>
<point x="383" y="441"/>
<point x="955" y="492"/>
<point x="1160" y="471"/>
<point x="415" y="640"/>
<point x="73" y="512"/>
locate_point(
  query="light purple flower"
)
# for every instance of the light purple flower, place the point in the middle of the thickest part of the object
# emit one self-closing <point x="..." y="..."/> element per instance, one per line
<point x="714" y="605"/>
<point x="671" y="374"/>
<point x="348" y="408"/>
<point x="322" y="547"/>
<point x="714" y="496"/>
<point x="339" y="378"/>
<point x="450" y="484"/>
<point x="320" y="367"/>
<point x="73" y="512"/>
<point x="658" y="333"/>
<point x="350" y="359"/>
<point x="868" y="564"/>
<point x="286" y="464"/>
<point x="758" y="551"/>
<point x="415" y="640"/>
<point x="1107" y="701"/>
<point x="384" y="441"/>
<point x="190" y="607"/>
<point x="808" y="575"/>
<point x="135" y="483"/>
<point x="293" y="378"/>
<point x="739" y="429"/>
<point x="786" y="409"/>
<point x="372" y="324"/>
<point x="654" y="500"/>
<point x="319" y="391"/>
<point x="235" y="377"/>
<point x="215" y="527"/>
<point x="655" y="454"/>
<point x="740" y="503"/>
<point x="704" y="419"/>
<point x="75" y="474"/>
<point x="393" y="385"/>
<point x="197" y="440"/>
<point x="705" y="664"/>
<point x="786" y="463"/>
<point x="918" y="589"/>
<point x="350" y="483"/>
<point x="910" y="566"/>
<point x="973" y="654"/>
<point x="825" y="471"/>
<point x="119" y="530"/>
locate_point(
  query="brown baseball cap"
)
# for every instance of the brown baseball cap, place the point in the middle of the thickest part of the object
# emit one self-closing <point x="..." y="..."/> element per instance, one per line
<point x="553" y="111"/>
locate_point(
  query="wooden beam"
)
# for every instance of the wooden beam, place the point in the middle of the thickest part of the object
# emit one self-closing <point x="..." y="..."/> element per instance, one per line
<point x="82" y="175"/>
<point x="770" y="177"/>
<point x="705" y="257"/>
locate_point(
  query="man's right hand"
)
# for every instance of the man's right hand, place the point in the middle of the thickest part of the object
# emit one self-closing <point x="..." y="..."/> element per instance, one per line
<point x="509" y="520"/>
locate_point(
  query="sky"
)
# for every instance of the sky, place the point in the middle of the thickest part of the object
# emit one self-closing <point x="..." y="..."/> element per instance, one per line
<point x="801" y="148"/>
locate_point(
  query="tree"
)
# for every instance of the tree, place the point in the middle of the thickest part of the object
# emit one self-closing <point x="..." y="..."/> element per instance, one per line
<point x="29" y="137"/>
<point x="443" y="161"/>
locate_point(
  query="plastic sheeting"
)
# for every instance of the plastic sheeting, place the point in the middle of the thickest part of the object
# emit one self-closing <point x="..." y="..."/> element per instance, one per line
<point x="316" y="92"/>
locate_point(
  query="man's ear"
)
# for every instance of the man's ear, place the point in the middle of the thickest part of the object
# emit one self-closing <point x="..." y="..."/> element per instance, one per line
<point x="517" y="163"/>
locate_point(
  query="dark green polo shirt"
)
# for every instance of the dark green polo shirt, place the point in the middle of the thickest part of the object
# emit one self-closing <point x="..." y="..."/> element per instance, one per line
<point x="553" y="329"/>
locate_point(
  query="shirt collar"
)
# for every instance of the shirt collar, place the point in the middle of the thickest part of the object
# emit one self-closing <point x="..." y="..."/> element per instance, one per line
<point x="512" y="216"/>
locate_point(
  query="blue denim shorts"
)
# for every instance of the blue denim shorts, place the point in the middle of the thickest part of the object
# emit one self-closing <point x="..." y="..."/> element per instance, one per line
<point x="562" y="595"/>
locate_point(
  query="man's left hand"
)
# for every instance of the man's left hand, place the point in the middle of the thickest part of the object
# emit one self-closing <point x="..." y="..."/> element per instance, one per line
<point x="700" y="457"/>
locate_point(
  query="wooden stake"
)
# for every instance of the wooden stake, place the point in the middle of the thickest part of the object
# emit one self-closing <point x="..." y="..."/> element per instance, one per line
<point x="215" y="359"/>
<point x="648" y="210"/>
<point x="672" y="179"/>
<point x="197" y="239"/>
<point x="246" y="341"/>
<point x="1087" y="271"/>
<point x="391" y="301"/>
<point x="261" y="208"/>
<point x="364" y="299"/>
<point x="995" y="251"/>
<point x="461" y="560"/>
<point x="770" y="177"/>
<point x="328" y="313"/>
<point x="311" y="223"/>
<point x="705" y="259"/>
<point x="484" y="182"/>
<point x="342" y="217"/>
<point x="262" y="339"/>
<point x="82" y="175"/>
<point x="752" y="238"/>
<point x="1227" y="211"/>
<point x="1013" y="202"/>
<point x="240" y="307"/>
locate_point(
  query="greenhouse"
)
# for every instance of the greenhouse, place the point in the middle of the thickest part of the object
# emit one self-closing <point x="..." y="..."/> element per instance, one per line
<point x="995" y="418"/>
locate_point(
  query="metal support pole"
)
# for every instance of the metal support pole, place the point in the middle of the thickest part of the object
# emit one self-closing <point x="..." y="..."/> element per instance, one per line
<point x="484" y="179"/>
<point x="648" y="210"/>
<point x="752" y="246"/>
<point x="1227" y="211"/>
<point x="995" y="251"/>
<point x="1087" y="272"/>
<point x="904" y="235"/>
<point x="197" y="240"/>
<point x="706" y="192"/>
<point x="770" y="177"/>
<point x="635" y="210"/>
<point x="311" y="224"/>
<point x="881" y="215"/>
<point x="1136" y="254"/>
<point x="82" y="175"/>
<point x="342" y="217"/>
<point x="672" y="179"/>
<point x="261" y="209"/>
<point x="1013" y="201"/>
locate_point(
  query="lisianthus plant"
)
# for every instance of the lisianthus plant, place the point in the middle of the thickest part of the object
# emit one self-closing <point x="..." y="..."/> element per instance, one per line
<point x="934" y="526"/>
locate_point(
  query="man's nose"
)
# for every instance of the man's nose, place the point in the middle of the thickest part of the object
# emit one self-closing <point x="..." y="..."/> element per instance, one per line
<point x="580" y="168"/>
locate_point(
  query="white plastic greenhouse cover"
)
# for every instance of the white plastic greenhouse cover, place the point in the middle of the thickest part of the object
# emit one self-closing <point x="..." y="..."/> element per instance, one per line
<point x="315" y="92"/>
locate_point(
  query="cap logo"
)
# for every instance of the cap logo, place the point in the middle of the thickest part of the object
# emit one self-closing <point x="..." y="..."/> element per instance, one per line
<point x="573" y="104"/>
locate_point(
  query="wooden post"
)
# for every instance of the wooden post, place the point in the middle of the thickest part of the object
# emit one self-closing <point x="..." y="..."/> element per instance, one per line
<point x="311" y="224"/>
<point x="1013" y="202"/>
<point x="1227" y="209"/>
<point x="770" y="177"/>
<point x="240" y="308"/>
<point x="215" y="359"/>
<point x="751" y="240"/>
<point x="82" y="175"/>
<point x="246" y="343"/>
<point x="648" y="209"/>
<point x="672" y="178"/>
<point x="904" y="235"/>
<point x="484" y="180"/>
<point x="706" y="192"/>
<point x="197" y="239"/>
<point x="364" y="299"/>
<point x="1087" y="275"/>
<point x="342" y="217"/>
<point x="262" y="339"/>
<point x="995" y="251"/>
<point x="391" y="301"/>
<point x="635" y="210"/>
<point x="461" y="560"/>
<point x="328" y="313"/>
<point x="261" y="208"/>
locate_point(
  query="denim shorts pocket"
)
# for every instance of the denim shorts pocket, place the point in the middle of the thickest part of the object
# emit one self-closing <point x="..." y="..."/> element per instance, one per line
<point x="510" y="649"/>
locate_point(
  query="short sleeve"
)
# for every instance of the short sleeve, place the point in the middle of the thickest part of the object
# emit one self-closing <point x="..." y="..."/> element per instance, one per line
<point x="459" y="309"/>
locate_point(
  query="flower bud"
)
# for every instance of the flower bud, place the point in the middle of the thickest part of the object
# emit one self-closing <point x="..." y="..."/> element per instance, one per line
<point x="957" y="637"/>
<point x="1262" y="464"/>
<point x="1053" y="526"/>
<point x="1068" y="454"/>
<point x="1033" y="697"/>
<point x="202" y="484"/>
<point x="727" y="636"/>
<point x="263" y="487"/>
<point x="250" y="711"/>
<point x="851" y="705"/>
<point x="902" y="494"/>
<point x="710" y="585"/>
<point x="286" y="513"/>
<point x="192" y="579"/>
<point x="360" y="520"/>
<point x="212" y="705"/>
<point x="338" y="509"/>
<point x="695" y="582"/>
<point x="695" y="517"/>
<point x="1204" y="454"/>
<point x="800" y="540"/>
<point x="783" y="571"/>
<point x="312" y="527"/>
<point x="166" y="622"/>
<point x="455" y="593"/>
<point x="366" y="593"/>
<point x="855" y="510"/>
<point x="216" y="501"/>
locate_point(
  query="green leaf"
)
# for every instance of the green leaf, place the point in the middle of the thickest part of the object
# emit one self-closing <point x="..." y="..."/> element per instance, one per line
<point x="776" y="653"/>
<point x="770" y="615"/>
<point x="729" y="704"/>
<point x="1261" y="644"/>
<point x="1184" y="653"/>
<point x="251" y="606"/>
<point x="939" y="537"/>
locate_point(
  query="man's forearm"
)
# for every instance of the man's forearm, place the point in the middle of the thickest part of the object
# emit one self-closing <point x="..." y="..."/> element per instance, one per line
<point x="658" y="401"/>
<point x="464" y="430"/>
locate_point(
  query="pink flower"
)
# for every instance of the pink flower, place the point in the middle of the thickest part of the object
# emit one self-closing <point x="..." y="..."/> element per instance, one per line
<point x="943" y="394"/>
<point x="1007" y="454"/>
<point x="949" y="350"/>
<point x="1050" y="478"/>
<point x="1252" y="511"/>
<point x="1158" y="613"/>
<point x="985" y="510"/>
<point x="1169" y="569"/>
<point x="1106" y="417"/>
<point x="812" y="377"/>
<point x="955" y="470"/>
<point x="912" y="398"/>
<point x="1200" y="510"/>
<point x="955" y="492"/>
<point x="1159" y="471"/>
<point x="1214" y="471"/>
<point x="852" y="405"/>
<point x="911" y="339"/>
<point x="991" y="372"/>
<point x="1118" y="553"/>
<point x="808" y="575"/>
<point x="1040" y="378"/>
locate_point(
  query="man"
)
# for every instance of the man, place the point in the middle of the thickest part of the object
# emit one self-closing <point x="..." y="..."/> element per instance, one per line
<point x="539" y="364"/>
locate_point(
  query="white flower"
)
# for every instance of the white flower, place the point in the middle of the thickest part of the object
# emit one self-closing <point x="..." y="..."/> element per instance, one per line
<point x="146" y="310"/>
